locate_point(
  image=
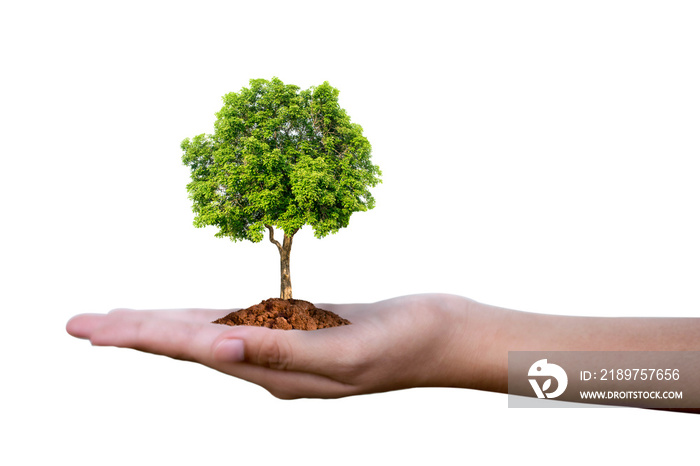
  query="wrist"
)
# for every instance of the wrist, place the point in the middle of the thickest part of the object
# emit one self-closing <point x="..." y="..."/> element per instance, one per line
<point x="472" y="351"/>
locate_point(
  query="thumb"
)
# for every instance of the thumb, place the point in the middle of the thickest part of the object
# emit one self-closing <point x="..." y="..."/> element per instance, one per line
<point x="323" y="351"/>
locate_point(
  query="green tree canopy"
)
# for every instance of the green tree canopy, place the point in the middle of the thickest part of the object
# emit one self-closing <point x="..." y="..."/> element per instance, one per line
<point x="280" y="157"/>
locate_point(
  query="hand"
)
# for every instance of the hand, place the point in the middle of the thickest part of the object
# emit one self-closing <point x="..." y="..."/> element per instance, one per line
<point x="398" y="343"/>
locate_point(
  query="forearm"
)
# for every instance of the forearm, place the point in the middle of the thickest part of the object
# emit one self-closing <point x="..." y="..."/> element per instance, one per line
<point x="493" y="332"/>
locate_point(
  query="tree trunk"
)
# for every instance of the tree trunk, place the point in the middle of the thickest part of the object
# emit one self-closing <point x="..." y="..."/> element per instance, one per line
<point x="286" y="280"/>
<point x="285" y="250"/>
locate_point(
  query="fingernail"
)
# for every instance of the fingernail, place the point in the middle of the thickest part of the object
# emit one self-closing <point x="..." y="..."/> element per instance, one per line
<point x="230" y="350"/>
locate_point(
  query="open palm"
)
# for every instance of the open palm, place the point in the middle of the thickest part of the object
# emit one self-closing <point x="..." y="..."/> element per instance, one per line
<point x="391" y="344"/>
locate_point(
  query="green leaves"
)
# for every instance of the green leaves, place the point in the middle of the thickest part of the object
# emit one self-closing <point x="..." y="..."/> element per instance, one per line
<point x="282" y="157"/>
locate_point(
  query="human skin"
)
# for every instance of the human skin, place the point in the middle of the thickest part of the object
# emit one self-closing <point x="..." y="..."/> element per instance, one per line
<point x="430" y="340"/>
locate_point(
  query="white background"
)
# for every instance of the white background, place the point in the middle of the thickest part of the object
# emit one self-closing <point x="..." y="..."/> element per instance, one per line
<point x="536" y="155"/>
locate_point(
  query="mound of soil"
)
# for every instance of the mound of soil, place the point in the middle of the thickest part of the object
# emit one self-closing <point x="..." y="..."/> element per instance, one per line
<point x="285" y="314"/>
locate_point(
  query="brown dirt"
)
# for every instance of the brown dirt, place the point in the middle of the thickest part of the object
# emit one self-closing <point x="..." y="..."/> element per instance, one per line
<point x="285" y="314"/>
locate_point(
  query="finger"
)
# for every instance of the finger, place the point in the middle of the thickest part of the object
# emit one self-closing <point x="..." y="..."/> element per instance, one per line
<point x="81" y="326"/>
<point x="189" y="315"/>
<point x="174" y="338"/>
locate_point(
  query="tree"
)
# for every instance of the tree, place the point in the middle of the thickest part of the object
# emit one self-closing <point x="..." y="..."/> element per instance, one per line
<point x="280" y="157"/>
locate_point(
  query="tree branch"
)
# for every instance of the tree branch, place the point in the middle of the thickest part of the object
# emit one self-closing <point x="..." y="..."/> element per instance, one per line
<point x="272" y="238"/>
